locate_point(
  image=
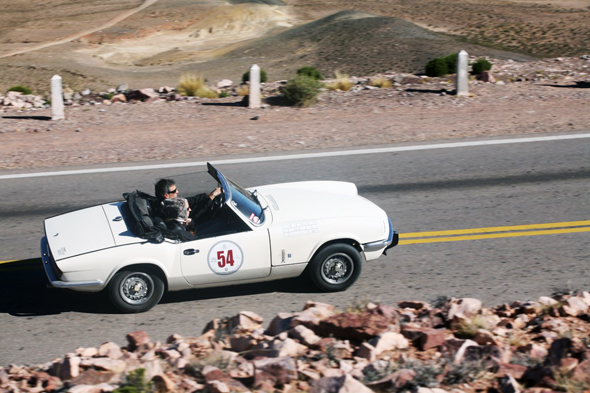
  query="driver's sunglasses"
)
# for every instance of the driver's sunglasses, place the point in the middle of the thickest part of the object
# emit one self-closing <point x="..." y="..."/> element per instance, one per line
<point x="173" y="191"/>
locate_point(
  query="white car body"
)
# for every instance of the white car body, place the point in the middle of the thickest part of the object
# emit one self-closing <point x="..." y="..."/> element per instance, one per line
<point x="83" y="250"/>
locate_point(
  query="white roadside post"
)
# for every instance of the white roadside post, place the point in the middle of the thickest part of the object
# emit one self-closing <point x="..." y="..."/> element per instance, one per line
<point x="57" y="99"/>
<point x="254" y="94"/>
<point x="462" y="82"/>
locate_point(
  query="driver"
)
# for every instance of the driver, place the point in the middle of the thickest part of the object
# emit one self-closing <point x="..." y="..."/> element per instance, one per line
<point x="199" y="204"/>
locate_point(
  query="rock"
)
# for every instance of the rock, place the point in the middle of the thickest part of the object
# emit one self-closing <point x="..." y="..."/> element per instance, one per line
<point x="366" y="351"/>
<point x="92" y="377"/>
<point x="280" y="371"/>
<point x="485" y="337"/>
<point x="163" y="383"/>
<point x="280" y="323"/>
<point x="389" y="341"/>
<point x="558" y="350"/>
<point x="138" y="339"/>
<point x="574" y="306"/>
<point x="312" y="314"/>
<point x="110" y="350"/>
<point x="344" y="384"/>
<point x="547" y="301"/>
<point x="424" y="338"/>
<point x="245" y="321"/>
<point x="165" y="90"/>
<point x="224" y="83"/>
<point x="86" y="352"/>
<point x="486" y="76"/>
<point x="174" y="97"/>
<point x="398" y="380"/>
<point x="533" y="350"/>
<point x="70" y="368"/>
<point x="118" y="98"/>
<point x="111" y="365"/>
<point x="122" y="87"/>
<point x="465" y="308"/>
<point x="358" y="326"/>
<point x="582" y="371"/>
<point x="516" y="370"/>
<point x="509" y="385"/>
<point x="304" y="335"/>
<point x="416" y="305"/>
<point x="460" y="354"/>
<point x="430" y="390"/>
<point x="242" y="343"/>
<point x="218" y="381"/>
<point x="100" y="388"/>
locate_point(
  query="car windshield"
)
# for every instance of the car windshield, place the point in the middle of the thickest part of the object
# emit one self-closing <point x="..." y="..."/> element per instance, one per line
<point x="243" y="200"/>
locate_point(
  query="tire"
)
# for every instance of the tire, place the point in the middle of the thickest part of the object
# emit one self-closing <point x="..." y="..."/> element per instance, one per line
<point x="134" y="291"/>
<point x="335" y="267"/>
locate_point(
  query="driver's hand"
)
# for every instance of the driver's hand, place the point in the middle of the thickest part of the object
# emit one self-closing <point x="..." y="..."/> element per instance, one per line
<point x="215" y="193"/>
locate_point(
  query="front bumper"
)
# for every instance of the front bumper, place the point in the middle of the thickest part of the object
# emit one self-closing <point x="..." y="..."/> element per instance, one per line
<point x="51" y="271"/>
<point x="391" y="241"/>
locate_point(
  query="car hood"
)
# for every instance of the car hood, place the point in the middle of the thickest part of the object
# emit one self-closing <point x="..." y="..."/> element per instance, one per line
<point x="317" y="200"/>
<point x="79" y="232"/>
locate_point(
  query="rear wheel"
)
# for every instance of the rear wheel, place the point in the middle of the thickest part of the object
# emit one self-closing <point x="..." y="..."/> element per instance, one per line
<point x="336" y="267"/>
<point x="133" y="291"/>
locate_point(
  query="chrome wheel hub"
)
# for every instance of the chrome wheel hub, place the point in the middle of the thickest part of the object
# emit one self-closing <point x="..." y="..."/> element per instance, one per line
<point x="337" y="268"/>
<point x="136" y="288"/>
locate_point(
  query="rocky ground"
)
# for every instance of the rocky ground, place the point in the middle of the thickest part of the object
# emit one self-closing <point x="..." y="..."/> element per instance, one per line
<point x="453" y="346"/>
<point x="523" y="98"/>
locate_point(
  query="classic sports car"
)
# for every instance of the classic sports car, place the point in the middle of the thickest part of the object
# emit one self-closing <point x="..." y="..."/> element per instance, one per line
<point x="270" y="232"/>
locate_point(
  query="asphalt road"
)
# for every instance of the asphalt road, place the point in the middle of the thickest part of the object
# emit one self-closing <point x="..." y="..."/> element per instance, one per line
<point x="431" y="190"/>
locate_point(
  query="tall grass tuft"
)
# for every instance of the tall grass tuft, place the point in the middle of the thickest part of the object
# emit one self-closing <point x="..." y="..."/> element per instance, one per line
<point x="381" y="82"/>
<point x="194" y="86"/>
<point x="342" y="82"/>
<point x="467" y="328"/>
<point x="243" y="90"/>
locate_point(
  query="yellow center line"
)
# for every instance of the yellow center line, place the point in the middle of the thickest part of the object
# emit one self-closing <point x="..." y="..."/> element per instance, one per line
<point x="496" y="229"/>
<point x="507" y="231"/>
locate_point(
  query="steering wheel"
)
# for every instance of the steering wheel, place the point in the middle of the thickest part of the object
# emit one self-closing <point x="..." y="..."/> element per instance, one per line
<point x="219" y="200"/>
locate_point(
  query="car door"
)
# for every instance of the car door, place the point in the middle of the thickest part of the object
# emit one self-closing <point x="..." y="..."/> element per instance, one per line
<point x="228" y="258"/>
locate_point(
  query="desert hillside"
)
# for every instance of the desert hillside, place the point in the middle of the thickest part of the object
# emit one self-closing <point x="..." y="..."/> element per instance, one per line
<point x="100" y="44"/>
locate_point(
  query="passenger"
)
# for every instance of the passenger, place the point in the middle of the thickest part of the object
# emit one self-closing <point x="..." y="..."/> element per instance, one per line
<point x="199" y="204"/>
<point x="176" y="212"/>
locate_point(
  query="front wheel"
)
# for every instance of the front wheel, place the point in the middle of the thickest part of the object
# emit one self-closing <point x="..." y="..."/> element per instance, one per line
<point x="135" y="291"/>
<point x="335" y="267"/>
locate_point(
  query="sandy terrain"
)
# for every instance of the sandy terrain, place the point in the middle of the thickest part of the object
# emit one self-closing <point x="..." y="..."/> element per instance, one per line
<point x="555" y="97"/>
<point x="221" y="39"/>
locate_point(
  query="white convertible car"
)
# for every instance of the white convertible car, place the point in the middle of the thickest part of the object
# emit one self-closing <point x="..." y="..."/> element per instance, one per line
<point x="270" y="232"/>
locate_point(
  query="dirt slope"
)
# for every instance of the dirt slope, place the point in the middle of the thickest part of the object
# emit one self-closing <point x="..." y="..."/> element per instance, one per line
<point x="221" y="39"/>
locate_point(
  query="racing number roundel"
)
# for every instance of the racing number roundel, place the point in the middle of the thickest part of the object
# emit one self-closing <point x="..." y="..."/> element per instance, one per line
<point x="225" y="257"/>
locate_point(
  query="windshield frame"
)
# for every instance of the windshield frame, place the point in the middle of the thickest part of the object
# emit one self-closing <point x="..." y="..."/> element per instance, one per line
<point x="244" y="202"/>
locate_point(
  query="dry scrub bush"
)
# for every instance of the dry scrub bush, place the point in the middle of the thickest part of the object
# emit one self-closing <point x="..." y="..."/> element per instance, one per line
<point x="380" y="82"/>
<point x="467" y="328"/>
<point x="301" y="90"/>
<point x="342" y="82"/>
<point x="243" y="90"/>
<point x="194" y="86"/>
<point x="565" y="381"/>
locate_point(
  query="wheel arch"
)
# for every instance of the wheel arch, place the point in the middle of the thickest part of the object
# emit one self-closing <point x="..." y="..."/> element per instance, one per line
<point x="143" y="266"/>
<point x="345" y="240"/>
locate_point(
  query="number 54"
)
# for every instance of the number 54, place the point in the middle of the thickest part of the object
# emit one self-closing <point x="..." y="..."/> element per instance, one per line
<point x="223" y="259"/>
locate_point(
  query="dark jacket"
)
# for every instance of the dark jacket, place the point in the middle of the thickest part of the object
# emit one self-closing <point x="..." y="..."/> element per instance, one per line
<point x="180" y="230"/>
<point x="200" y="204"/>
